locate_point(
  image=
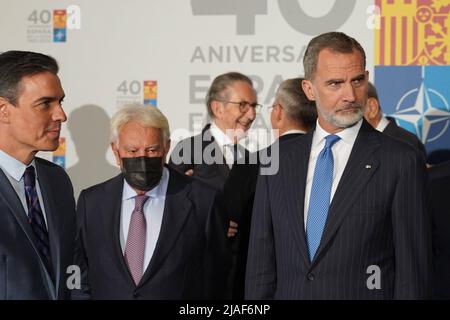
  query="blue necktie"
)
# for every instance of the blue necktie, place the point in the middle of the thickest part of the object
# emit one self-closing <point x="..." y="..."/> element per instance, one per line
<point x="319" y="200"/>
<point x="36" y="217"/>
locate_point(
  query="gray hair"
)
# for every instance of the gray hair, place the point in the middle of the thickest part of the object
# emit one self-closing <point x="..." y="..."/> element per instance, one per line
<point x="334" y="41"/>
<point x="295" y="103"/>
<point x="146" y="116"/>
<point x="219" y="86"/>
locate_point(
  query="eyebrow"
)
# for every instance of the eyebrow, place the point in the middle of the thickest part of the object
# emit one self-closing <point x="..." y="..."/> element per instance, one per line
<point x="42" y="99"/>
<point x="132" y="146"/>
<point x="156" y="145"/>
<point x="358" y="77"/>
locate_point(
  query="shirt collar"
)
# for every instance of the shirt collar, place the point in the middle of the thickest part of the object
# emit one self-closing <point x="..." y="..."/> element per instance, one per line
<point x="12" y="166"/>
<point x="157" y="192"/>
<point x="293" y="131"/>
<point x="219" y="136"/>
<point x="348" y="135"/>
<point x="382" y="124"/>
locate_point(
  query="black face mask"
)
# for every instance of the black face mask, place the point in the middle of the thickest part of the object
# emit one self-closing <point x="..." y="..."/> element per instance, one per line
<point x="142" y="173"/>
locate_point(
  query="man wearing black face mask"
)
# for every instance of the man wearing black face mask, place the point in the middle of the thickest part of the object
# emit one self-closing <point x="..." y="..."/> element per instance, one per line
<point x="150" y="232"/>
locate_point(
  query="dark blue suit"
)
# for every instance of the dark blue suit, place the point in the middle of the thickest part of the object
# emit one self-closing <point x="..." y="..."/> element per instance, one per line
<point x="376" y="217"/>
<point x="190" y="257"/>
<point x="22" y="271"/>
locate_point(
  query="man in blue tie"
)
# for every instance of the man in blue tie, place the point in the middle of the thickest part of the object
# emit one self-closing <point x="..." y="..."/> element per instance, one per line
<point x="37" y="208"/>
<point x="344" y="216"/>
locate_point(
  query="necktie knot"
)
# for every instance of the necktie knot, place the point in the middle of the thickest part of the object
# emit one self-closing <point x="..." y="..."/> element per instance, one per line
<point x="29" y="177"/>
<point x="330" y="140"/>
<point x="139" y="202"/>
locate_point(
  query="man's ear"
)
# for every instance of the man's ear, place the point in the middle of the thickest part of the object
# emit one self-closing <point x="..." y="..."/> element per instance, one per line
<point x="4" y="111"/>
<point x="217" y="109"/>
<point x="308" y="89"/>
<point x="115" y="150"/>
<point x="278" y="112"/>
<point x="372" y="110"/>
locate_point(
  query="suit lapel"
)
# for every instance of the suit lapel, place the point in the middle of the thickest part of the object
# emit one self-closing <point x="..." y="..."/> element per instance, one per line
<point x="295" y="197"/>
<point x="111" y="212"/>
<point x="11" y="199"/>
<point x="176" y="210"/>
<point x="360" y="167"/>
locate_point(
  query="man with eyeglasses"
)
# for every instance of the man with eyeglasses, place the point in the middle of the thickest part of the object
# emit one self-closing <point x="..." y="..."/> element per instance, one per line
<point x="232" y="105"/>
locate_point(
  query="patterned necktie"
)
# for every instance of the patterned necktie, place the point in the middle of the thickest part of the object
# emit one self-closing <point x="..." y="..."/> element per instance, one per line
<point x="135" y="246"/>
<point x="36" y="217"/>
<point x="319" y="200"/>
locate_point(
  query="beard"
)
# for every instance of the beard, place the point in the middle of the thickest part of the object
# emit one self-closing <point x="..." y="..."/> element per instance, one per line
<point x="344" y="117"/>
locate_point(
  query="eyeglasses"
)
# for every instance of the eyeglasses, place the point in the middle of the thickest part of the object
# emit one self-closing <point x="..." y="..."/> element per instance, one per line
<point x="244" y="106"/>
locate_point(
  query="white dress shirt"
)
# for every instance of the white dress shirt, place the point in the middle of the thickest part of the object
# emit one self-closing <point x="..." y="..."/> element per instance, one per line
<point x="153" y="211"/>
<point x="292" y="132"/>
<point x="225" y="144"/>
<point x="341" y="152"/>
<point x="14" y="170"/>
<point x="382" y="124"/>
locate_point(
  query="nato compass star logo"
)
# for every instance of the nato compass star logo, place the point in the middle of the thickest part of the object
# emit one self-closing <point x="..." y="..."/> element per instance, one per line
<point x="59" y="35"/>
<point x="424" y="109"/>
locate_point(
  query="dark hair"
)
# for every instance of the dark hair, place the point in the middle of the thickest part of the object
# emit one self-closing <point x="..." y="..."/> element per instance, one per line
<point x="295" y="103"/>
<point x="371" y="91"/>
<point x="220" y="85"/>
<point x="334" y="41"/>
<point x="14" y="65"/>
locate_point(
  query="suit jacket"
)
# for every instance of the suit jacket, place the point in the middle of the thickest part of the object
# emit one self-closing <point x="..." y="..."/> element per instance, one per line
<point x="239" y="192"/>
<point x="189" y="261"/>
<point x="439" y="209"/>
<point x="202" y="154"/>
<point x="393" y="130"/>
<point x="376" y="218"/>
<point x="440" y="170"/>
<point x="23" y="274"/>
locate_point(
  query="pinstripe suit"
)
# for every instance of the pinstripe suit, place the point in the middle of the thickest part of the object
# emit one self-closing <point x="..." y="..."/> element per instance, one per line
<point x="376" y="217"/>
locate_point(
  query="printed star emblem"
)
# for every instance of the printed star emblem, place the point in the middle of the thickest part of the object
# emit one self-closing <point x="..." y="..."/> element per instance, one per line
<point x="59" y="35"/>
<point x="424" y="114"/>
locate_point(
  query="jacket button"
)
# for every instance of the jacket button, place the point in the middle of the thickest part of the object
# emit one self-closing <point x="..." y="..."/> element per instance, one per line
<point x="310" y="276"/>
<point x="136" y="295"/>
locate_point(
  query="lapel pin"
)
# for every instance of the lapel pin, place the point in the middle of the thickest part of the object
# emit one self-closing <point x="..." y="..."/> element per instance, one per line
<point x="368" y="166"/>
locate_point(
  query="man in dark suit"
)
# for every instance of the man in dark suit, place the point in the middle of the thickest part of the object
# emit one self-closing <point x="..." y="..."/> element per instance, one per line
<point x="344" y="217"/>
<point x="439" y="209"/>
<point x="150" y="232"/>
<point x="232" y="106"/>
<point x="291" y="116"/>
<point x="387" y="125"/>
<point x="439" y="171"/>
<point x="37" y="208"/>
<point x="231" y="103"/>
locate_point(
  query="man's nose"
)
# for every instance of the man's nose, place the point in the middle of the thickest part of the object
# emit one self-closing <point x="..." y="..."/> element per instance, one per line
<point x="59" y="114"/>
<point x="251" y="113"/>
<point x="349" y="93"/>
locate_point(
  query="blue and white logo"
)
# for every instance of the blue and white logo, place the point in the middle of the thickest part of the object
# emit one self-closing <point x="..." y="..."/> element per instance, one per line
<point x="419" y="99"/>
